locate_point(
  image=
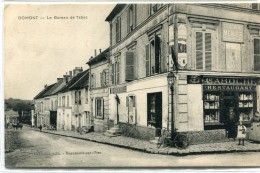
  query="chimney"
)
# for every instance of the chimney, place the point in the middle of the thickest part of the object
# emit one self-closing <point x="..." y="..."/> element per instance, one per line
<point x="59" y="80"/>
<point x="100" y="50"/>
<point x="77" y="70"/>
<point x="64" y="78"/>
<point x="95" y="52"/>
<point x="70" y="74"/>
<point x="45" y="85"/>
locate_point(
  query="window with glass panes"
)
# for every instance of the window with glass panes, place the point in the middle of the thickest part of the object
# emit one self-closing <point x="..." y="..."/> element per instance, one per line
<point x="99" y="107"/>
<point x="203" y="46"/>
<point x="256" y="54"/>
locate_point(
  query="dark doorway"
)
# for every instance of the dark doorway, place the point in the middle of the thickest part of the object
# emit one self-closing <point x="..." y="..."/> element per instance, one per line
<point x="154" y="109"/>
<point x="53" y="119"/>
<point x="231" y="118"/>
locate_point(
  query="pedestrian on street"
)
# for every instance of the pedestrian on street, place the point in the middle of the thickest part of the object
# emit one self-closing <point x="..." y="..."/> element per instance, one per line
<point x="241" y="133"/>
<point x="40" y="127"/>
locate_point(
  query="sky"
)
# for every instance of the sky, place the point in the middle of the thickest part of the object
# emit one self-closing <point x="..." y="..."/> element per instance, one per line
<point x="40" y="47"/>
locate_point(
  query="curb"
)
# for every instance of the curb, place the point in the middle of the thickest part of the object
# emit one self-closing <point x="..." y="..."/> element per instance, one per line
<point x="155" y="150"/>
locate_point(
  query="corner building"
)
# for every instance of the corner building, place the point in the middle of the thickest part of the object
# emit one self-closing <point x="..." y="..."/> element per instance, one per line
<point x="216" y="48"/>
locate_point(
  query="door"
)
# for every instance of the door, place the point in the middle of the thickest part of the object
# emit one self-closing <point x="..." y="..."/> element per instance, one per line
<point x="231" y="119"/>
<point x="154" y="107"/>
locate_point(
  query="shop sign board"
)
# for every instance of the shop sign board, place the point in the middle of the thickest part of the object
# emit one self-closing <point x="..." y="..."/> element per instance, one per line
<point x="232" y="32"/>
<point x="229" y="88"/>
<point x="117" y="90"/>
<point x="214" y="80"/>
<point x="228" y="81"/>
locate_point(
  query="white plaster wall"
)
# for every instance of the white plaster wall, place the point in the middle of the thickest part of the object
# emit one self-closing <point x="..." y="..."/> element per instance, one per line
<point x="195" y="108"/>
<point x="140" y="89"/>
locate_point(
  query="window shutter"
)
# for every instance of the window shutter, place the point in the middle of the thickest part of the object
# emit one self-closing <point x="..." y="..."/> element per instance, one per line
<point x="134" y="16"/>
<point x="208" y="51"/>
<point x="257" y="54"/>
<point x="117" y="72"/>
<point x="147" y="50"/>
<point x="157" y="54"/>
<point x="101" y="79"/>
<point x="119" y="20"/>
<point x="103" y="108"/>
<point x="129" y="66"/>
<point x="199" y="50"/>
<point x="127" y="101"/>
<point x="112" y="74"/>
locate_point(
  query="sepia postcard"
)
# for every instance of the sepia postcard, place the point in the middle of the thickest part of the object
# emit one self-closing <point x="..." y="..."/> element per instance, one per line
<point x="131" y="85"/>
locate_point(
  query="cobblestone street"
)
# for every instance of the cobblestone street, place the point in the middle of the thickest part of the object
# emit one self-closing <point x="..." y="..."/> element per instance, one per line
<point x="40" y="149"/>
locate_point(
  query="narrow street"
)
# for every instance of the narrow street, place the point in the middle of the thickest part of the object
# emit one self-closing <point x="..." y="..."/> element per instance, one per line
<point x="36" y="149"/>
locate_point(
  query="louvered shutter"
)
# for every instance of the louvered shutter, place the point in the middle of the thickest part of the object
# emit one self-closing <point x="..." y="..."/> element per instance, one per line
<point x="199" y="50"/>
<point x="157" y="54"/>
<point x="112" y="74"/>
<point x="101" y="79"/>
<point x="257" y="54"/>
<point x="129" y="73"/>
<point x="103" y="108"/>
<point x="117" y="72"/>
<point x="127" y="101"/>
<point x="208" y="51"/>
<point x="119" y="20"/>
<point x="147" y="50"/>
<point x="94" y="80"/>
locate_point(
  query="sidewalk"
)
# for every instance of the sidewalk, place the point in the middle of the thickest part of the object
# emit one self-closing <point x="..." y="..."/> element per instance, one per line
<point x="146" y="146"/>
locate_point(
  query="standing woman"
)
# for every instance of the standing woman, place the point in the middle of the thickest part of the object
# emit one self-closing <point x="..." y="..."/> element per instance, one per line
<point x="241" y="133"/>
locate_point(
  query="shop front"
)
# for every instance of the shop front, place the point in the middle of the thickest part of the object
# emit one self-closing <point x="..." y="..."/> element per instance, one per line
<point x="225" y="99"/>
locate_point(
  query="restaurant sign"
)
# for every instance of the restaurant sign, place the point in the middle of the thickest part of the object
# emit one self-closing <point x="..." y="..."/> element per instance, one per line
<point x="232" y="32"/>
<point x="117" y="90"/>
<point x="229" y="88"/>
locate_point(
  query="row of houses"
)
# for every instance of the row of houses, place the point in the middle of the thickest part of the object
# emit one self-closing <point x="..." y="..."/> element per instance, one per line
<point x="209" y="52"/>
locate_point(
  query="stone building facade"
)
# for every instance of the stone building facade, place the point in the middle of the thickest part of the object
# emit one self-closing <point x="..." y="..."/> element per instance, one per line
<point x="213" y="49"/>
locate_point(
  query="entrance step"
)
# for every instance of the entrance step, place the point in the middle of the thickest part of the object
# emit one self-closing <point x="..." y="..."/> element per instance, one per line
<point x="115" y="131"/>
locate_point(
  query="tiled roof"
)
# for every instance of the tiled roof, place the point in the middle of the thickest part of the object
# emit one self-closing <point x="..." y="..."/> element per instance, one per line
<point x="41" y="94"/>
<point x="82" y="82"/>
<point x="99" y="57"/>
<point x="115" y="11"/>
<point x="72" y="81"/>
<point x="56" y="88"/>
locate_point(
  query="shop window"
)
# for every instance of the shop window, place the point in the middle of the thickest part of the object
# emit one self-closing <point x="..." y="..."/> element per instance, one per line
<point x="246" y="106"/>
<point x="203" y="50"/>
<point x="257" y="54"/>
<point x="131" y="104"/>
<point x="118" y="29"/>
<point x="211" y="109"/>
<point x="99" y="108"/>
<point x="130" y="67"/>
<point x="155" y="56"/>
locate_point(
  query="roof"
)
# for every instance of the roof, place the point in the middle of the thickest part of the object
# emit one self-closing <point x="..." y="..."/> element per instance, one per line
<point x="82" y="82"/>
<point x="99" y="57"/>
<point x="115" y="11"/>
<point x="11" y="113"/>
<point x="41" y="94"/>
<point x="56" y="88"/>
<point x="72" y="81"/>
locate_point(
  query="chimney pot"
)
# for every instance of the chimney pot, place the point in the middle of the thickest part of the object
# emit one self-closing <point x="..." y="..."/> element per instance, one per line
<point x="99" y="50"/>
<point x="95" y="52"/>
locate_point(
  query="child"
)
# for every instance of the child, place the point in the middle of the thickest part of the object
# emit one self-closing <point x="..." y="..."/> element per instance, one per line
<point x="241" y="133"/>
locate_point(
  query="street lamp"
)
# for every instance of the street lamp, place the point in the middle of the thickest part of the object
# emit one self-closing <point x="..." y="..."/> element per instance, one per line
<point x="171" y="78"/>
